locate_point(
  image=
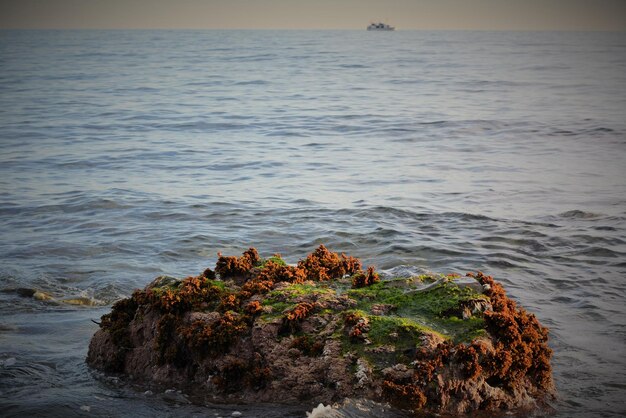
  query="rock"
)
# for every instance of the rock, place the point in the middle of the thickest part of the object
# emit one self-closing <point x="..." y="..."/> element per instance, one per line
<point x="263" y="331"/>
<point x="46" y="297"/>
<point x="381" y="309"/>
<point x="25" y="292"/>
<point x="8" y="362"/>
<point x="362" y="374"/>
<point x="42" y="296"/>
<point x="470" y="283"/>
<point x="79" y="301"/>
<point x="164" y="281"/>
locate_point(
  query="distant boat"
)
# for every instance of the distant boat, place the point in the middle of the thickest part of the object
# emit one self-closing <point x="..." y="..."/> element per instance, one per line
<point x="380" y="26"/>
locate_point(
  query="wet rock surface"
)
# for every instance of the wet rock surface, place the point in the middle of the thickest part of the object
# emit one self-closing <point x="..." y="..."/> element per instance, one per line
<point x="259" y="330"/>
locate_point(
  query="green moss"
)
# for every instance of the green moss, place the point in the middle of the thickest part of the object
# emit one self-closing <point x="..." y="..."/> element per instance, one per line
<point x="421" y="308"/>
<point x="286" y="298"/>
<point x="380" y="357"/>
<point x="301" y="289"/>
<point x="376" y="293"/>
<point x="160" y="290"/>
<point x="289" y="294"/>
<point x="412" y="312"/>
<point x="217" y="283"/>
<point x="466" y="330"/>
<point x="407" y="330"/>
<point x="277" y="306"/>
<point x="175" y="286"/>
<point x="276" y="259"/>
<point x="401" y="333"/>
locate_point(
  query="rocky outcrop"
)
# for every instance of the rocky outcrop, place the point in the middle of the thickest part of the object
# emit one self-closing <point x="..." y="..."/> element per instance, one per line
<point x="323" y="330"/>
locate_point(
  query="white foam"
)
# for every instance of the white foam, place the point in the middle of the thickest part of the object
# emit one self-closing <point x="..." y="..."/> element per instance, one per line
<point x="321" y="411"/>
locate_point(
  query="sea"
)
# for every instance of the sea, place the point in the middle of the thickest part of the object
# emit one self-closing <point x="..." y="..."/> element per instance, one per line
<point x="125" y="155"/>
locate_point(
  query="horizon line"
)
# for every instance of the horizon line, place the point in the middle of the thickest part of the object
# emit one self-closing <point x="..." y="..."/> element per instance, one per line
<point x="326" y="29"/>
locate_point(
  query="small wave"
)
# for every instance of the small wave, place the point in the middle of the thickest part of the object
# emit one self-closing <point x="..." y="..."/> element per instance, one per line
<point x="286" y="134"/>
<point x="592" y="131"/>
<point x="402" y="81"/>
<point x="249" y="58"/>
<point x="545" y="67"/>
<point x="404" y="271"/>
<point x="599" y="252"/>
<point x="353" y="66"/>
<point x="19" y="373"/>
<point x="208" y="83"/>
<point x="69" y="207"/>
<point x="464" y="216"/>
<point x="605" y="228"/>
<point x="397" y="212"/>
<point x="578" y="214"/>
<point x="252" y="83"/>
<point x="504" y="264"/>
<point x="201" y="126"/>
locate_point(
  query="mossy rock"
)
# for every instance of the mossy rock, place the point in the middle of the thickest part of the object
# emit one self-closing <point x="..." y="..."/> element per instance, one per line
<point x="323" y="330"/>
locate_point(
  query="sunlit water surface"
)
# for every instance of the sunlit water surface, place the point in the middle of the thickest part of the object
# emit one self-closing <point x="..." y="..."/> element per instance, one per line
<point x="129" y="154"/>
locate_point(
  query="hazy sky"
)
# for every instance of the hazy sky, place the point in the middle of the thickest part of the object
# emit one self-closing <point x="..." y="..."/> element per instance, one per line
<point x="316" y="14"/>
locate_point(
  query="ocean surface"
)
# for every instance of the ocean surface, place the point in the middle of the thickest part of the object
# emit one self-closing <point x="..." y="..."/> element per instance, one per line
<point x="129" y="154"/>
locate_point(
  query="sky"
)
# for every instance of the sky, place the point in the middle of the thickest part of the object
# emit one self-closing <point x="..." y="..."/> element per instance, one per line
<point x="314" y="14"/>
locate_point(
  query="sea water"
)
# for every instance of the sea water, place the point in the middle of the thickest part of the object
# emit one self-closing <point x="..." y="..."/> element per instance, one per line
<point x="129" y="154"/>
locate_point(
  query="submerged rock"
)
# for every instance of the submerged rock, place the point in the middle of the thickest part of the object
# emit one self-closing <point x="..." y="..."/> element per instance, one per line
<point x="46" y="297"/>
<point x="324" y="330"/>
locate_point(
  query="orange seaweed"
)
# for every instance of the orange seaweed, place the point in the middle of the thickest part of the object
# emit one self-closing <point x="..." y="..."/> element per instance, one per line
<point x="519" y="351"/>
<point x="228" y="267"/>
<point x="256" y="287"/>
<point x="322" y="265"/>
<point x="164" y="342"/>
<point x="253" y="308"/>
<point x="116" y="324"/>
<point x="293" y="317"/>
<point x="229" y="302"/>
<point x="308" y="345"/>
<point x="216" y="337"/>
<point x="368" y="278"/>
<point x="275" y="272"/>
<point x="407" y="396"/>
<point x="521" y="341"/>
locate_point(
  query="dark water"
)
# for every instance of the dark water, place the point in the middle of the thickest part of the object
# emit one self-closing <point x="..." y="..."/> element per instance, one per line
<point x="129" y="154"/>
